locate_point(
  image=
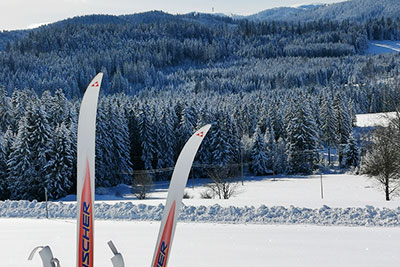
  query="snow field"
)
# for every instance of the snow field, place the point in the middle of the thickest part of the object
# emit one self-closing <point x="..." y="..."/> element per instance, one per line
<point x="201" y="245"/>
<point x="280" y="221"/>
<point x="348" y="200"/>
<point x="374" y="119"/>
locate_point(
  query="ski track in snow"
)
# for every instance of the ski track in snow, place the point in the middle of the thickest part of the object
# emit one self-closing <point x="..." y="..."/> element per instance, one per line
<point x="367" y="216"/>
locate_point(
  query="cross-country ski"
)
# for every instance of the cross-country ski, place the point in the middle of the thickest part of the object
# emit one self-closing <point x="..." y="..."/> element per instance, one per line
<point x="175" y="196"/>
<point x="86" y="173"/>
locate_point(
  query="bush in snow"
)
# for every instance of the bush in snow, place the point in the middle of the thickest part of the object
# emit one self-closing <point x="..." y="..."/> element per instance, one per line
<point x="142" y="184"/>
<point x="223" y="184"/>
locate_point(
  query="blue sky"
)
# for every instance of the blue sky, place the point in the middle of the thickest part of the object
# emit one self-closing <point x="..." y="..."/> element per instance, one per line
<point x="21" y="14"/>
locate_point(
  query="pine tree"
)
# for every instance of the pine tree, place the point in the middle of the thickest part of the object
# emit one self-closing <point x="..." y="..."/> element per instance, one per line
<point x="118" y="128"/>
<point x="258" y="156"/>
<point x="59" y="177"/>
<point x="146" y="136"/>
<point x="351" y="154"/>
<point x="301" y="140"/>
<point x="6" y="116"/>
<point x="327" y="125"/>
<point x="270" y="149"/>
<point x="20" y="169"/>
<point x="220" y="146"/>
<point x="30" y="153"/>
<point x="165" y="135"/>
<point x="281" y="158"/>
<point x="343" y="127"/>
<point x="4" y="193"/>
<point x="39" y="139"/>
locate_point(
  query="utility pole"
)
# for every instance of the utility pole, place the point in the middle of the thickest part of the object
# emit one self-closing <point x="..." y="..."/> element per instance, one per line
<point x="322" y="187"/>
<point x="45" y="196"/>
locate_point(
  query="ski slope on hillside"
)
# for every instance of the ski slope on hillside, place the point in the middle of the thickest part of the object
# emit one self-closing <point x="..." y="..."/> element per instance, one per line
<point x="201" y="245"/>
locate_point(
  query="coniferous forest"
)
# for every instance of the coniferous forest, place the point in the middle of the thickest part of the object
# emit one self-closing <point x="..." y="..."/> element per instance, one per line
<point x="279" y="94"/>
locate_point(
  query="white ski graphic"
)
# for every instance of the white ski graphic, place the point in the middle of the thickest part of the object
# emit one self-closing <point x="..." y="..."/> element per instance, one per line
<point x="85" y="173"/>
<point x="175" y="196"/>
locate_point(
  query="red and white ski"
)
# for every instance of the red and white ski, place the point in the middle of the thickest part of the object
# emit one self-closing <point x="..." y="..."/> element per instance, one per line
<point x="86" y="174"/>
<point x="175" y="196"/>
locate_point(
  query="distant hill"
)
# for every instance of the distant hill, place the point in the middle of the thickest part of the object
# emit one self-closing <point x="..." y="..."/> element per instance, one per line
<point x="355" y="10"/>
<point x="8" y="37"/>
<point x="283" y="13"/>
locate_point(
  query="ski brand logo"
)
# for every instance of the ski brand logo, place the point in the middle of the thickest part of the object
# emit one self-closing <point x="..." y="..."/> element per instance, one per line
<point x="95" y="84"/>
<point x="163" y="249"/>
<point x="201" y="134"/>
<point x="85" y="253"/>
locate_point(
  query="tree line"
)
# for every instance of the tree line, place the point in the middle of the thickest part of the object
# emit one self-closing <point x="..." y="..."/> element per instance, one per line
<point x="271" y="134"/>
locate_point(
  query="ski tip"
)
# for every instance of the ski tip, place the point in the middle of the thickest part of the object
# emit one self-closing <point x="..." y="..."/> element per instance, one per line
<point x="203" y="130"/>
<point x="96" y="82"/>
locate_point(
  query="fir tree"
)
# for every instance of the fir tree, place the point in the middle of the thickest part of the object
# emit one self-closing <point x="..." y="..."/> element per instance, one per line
<point x="351" y="154"/>
<point x="258" y="156"/>
<point x="327" y="125"/>
<point x="146" y="136"/>
<point x="271" y="150"/>
<point x="59" y="176"/>
<point x="20" y="169"/>
<point x="301" y="141"/>
<point x="343" y="127"/>
<point x="4" y="193"/>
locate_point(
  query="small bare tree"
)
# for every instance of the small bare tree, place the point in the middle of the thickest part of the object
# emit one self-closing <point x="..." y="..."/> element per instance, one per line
<point x="142" y="184"/>
<point x="382" y="160"/>
<point x="224" y="185"/>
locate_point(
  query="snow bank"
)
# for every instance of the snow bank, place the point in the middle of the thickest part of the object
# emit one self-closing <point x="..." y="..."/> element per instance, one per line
<point x="367" y="216"/>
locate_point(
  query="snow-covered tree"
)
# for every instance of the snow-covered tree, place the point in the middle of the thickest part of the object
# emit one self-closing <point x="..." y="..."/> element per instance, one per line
<point x="221" y="149"/>
<point x="165" y="143"/>
<point x="351" y="153"/>
<point x="59" y="166"/>
<point x="3" y="172"/>
<point x="302" y="140"/>
<point x="31" y="147"/>
<point x="146" y="136"/>
<point x="258" y="156"/>
<point x="20" y="166"/>
<point x="327" y="130"/>
<point x="343" y="128"/>
<point x="271" y="150"/>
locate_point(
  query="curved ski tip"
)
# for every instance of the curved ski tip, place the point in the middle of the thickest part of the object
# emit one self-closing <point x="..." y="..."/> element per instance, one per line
<point x="96" y="82"/>
<point x="203" y="130"/>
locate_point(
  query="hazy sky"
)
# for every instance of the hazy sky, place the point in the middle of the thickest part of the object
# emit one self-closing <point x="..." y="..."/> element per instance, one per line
<point x="21" y="14"/>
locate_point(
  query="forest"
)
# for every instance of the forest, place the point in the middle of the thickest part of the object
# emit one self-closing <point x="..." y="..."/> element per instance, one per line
<point x="278" y="96"/>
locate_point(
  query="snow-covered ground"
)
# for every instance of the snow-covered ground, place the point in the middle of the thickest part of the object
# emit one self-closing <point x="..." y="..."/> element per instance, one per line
<point x="273" y="221"/>
<point x="203" y="245"/>
<point x="374" y="119"/>
<point x="339" y="190"/>
<point x="347" y="200"/>
<point x="383" y="47"/>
